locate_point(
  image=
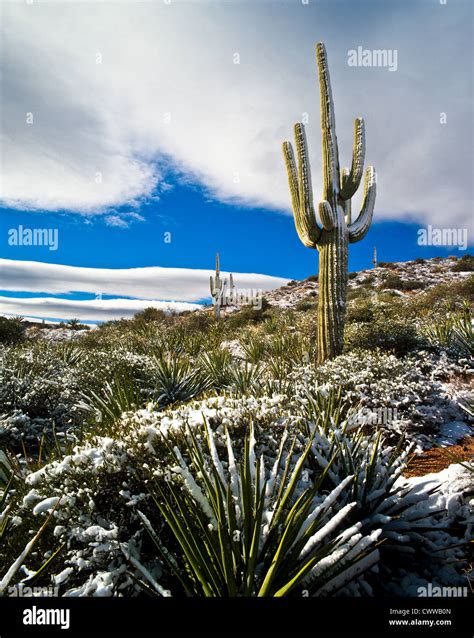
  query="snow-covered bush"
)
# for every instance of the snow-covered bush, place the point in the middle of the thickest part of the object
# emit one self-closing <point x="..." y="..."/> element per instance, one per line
<point x="100" y="489"/>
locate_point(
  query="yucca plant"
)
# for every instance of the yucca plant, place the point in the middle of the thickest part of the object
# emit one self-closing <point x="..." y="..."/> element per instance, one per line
<point x="463" y="332"/>
<point x="254" y="349"/>
<point x="177" y="380"/>
<point x="325" y="407"/>
<point x="455" y="330"/>
<point x="11" y="476"/>
<point x="69" y="353"/>
<point x="411" y="523"/>
<point x="216" y="365"/>
<point x="106" y="405"/>
<point x="245" y="378"/>
<point x="251" y="526"/>
<point x="291" y="347"/>
<point x="278" y="368"/>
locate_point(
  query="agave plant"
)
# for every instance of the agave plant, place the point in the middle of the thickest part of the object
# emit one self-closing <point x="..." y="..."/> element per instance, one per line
<point x="254" y="526"/>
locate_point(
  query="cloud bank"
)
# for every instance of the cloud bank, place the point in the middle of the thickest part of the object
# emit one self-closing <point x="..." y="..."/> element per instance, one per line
<point x="153" y="283"/>
<point x="86" y="310"/>
<point x="101" y="99"/>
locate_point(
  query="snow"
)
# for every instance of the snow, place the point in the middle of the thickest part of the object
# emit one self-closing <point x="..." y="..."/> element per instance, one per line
<point x="452" y="432"/>
<point x="46" y="505"/>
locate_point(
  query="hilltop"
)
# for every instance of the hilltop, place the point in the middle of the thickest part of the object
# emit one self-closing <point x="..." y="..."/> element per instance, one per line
<point x="402" y="278"/>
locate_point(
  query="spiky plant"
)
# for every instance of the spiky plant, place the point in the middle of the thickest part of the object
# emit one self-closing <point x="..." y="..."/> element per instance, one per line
<point x="106" y="405"/>
<point x="245" y="378"/>
<point x="337" y="230"/>
<point x="11" y="477"/>
<point x="216" y="365"/>
<point x="253" y="528"/>
<point x="177" y="380"/>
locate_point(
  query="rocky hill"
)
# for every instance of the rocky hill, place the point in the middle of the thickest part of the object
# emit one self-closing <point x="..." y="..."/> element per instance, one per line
<point x="403" y="277"/>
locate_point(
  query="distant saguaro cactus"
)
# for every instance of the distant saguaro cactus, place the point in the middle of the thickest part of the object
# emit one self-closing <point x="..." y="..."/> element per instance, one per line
<point x="219" y="289"/>
<point x="338" y="229"/>
<point x="374" y="260"/>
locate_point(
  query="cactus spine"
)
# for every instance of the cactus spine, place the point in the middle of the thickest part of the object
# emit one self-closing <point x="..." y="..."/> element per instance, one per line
<point x="337" y="229"/>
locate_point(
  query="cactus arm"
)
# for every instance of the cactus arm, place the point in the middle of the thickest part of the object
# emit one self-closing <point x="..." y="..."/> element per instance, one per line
<point x="326" y="215"/>
<point x="300" y="188"/>
<point x="352" y="182"/>
<point x="346" y="204"/>
<point x="290" y="164"/>
<point x="359" y="228"/>
<point x="306" y="217"/>
<point x="328" y="129"/>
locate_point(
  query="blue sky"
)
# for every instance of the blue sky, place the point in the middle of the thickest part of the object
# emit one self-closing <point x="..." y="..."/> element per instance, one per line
<point x="187" y="142"/>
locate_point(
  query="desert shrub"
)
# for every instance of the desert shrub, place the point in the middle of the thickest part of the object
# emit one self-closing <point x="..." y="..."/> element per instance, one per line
<point x="352" y="275"/>
<point x="197" y="321"/>
<point x="388" y="264"/>
<point x="397" y="283"/>
<point x="361" y="292"/>
<point x="361" y="311"/>
<point x="312" y="278"/>
<point x="308" y="303"/>
<point x="11" y="330"/>
<point x="385" y="333"/>
<point x="419" y="260"/>
<point x="465" y="264"/>
<point x="74" y="324"/>
<point x="446" y="296"/>
<point x="150" y="314"/>
<point x="248" y="314"/>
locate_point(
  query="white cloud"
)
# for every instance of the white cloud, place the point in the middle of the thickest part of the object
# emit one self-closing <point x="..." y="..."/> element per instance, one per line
<point x="170" y="284"/>
<point x="166" y="90"/>
<point x="86" y="310"/>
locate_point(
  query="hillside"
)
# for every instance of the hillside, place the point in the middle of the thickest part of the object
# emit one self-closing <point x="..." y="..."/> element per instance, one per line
<point x="405" y="278"/>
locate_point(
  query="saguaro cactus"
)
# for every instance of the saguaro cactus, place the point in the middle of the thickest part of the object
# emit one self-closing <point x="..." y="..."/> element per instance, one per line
<point x="219" y="289"/>
<point x="337" y="229"/>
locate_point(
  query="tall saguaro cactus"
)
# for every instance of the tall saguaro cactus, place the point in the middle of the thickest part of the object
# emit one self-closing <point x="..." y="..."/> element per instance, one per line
<point x="221" y="289"/>
<point x="217" y="288"/>
<point x="337" y="229"/>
